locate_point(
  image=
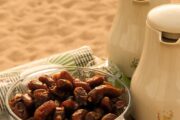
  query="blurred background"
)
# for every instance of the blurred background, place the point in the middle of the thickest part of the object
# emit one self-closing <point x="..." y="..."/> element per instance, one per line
<point x="33" y="29"/>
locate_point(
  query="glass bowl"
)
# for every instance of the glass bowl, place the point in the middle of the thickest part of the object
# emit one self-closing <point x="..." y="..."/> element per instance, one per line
<point x="78" y="72"/>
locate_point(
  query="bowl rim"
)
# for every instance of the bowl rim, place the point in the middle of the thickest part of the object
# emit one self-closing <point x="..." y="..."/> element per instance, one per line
<point x="35" y="69"/>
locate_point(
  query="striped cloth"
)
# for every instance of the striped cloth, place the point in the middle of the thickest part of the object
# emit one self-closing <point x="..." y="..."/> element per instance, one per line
<point x="80" y="57"/>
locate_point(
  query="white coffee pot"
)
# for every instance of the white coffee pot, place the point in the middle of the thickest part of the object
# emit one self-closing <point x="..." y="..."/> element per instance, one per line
<point x="155" y="85"/>
<point x="127" y="33"/>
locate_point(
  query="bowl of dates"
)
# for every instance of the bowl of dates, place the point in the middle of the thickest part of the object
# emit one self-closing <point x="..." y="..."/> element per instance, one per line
<point x="67" y="93"/>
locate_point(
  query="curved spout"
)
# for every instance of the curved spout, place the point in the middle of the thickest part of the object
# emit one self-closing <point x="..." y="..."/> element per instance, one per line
<point x="170" y="38"/>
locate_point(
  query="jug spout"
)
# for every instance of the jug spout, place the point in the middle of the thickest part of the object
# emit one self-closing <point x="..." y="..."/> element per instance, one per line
<point x="170" y="38"/>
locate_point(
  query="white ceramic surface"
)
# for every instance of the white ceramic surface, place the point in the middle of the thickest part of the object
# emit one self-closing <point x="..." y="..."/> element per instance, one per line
<point x="155" y="85"/>
<point x="127" y="34"/>
<point x="162" y="18"/>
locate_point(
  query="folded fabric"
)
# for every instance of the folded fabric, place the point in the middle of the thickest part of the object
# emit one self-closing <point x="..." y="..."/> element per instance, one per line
<point x="80" y="57"/>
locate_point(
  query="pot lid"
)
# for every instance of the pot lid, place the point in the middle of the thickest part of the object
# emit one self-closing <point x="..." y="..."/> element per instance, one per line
<point x="165" y="18"/>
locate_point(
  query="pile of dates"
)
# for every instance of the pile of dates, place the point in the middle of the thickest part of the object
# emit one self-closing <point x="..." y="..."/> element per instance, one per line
<point x="62" y="97"/>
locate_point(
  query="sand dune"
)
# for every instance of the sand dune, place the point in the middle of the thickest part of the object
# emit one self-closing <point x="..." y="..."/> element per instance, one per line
<point x="33" y="29"/>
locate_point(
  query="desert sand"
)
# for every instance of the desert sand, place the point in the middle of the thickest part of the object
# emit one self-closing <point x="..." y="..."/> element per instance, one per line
<point x="33" y="29"/>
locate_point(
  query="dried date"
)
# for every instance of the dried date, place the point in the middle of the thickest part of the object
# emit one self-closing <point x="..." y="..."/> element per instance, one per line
<point x="20" y="110"/>
<point x="95" y="81"/>
<point x="44" y="110"/>
<point x="70" y="105"/>
<point x="47" y="80"/>
<point x="15" y="99"/>
<point x="109" y="116"/>
<point x="64" y="84"/>
<point x="63" y="75"/>
<point x="79" y="114"/>
<point x="62" y="94"/>
<point x="83" y="85"/>
<point x="28" y="100"/>
<point x="81" y="96"/>
<point x="106" y="104"/>
<point x="93" y="116"/>
<point x="40" y="96"/>
<point x="59" y="113"/>
<point x="99" y="92"/>
<point x="36" y="84"/>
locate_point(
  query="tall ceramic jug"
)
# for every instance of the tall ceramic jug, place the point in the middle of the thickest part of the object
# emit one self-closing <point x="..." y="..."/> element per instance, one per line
<point x="155" y="85"/>
<point x="127" y="34"/>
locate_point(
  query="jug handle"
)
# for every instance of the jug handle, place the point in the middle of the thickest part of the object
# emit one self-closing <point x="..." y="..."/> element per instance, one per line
<point x="141" y="1"/>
